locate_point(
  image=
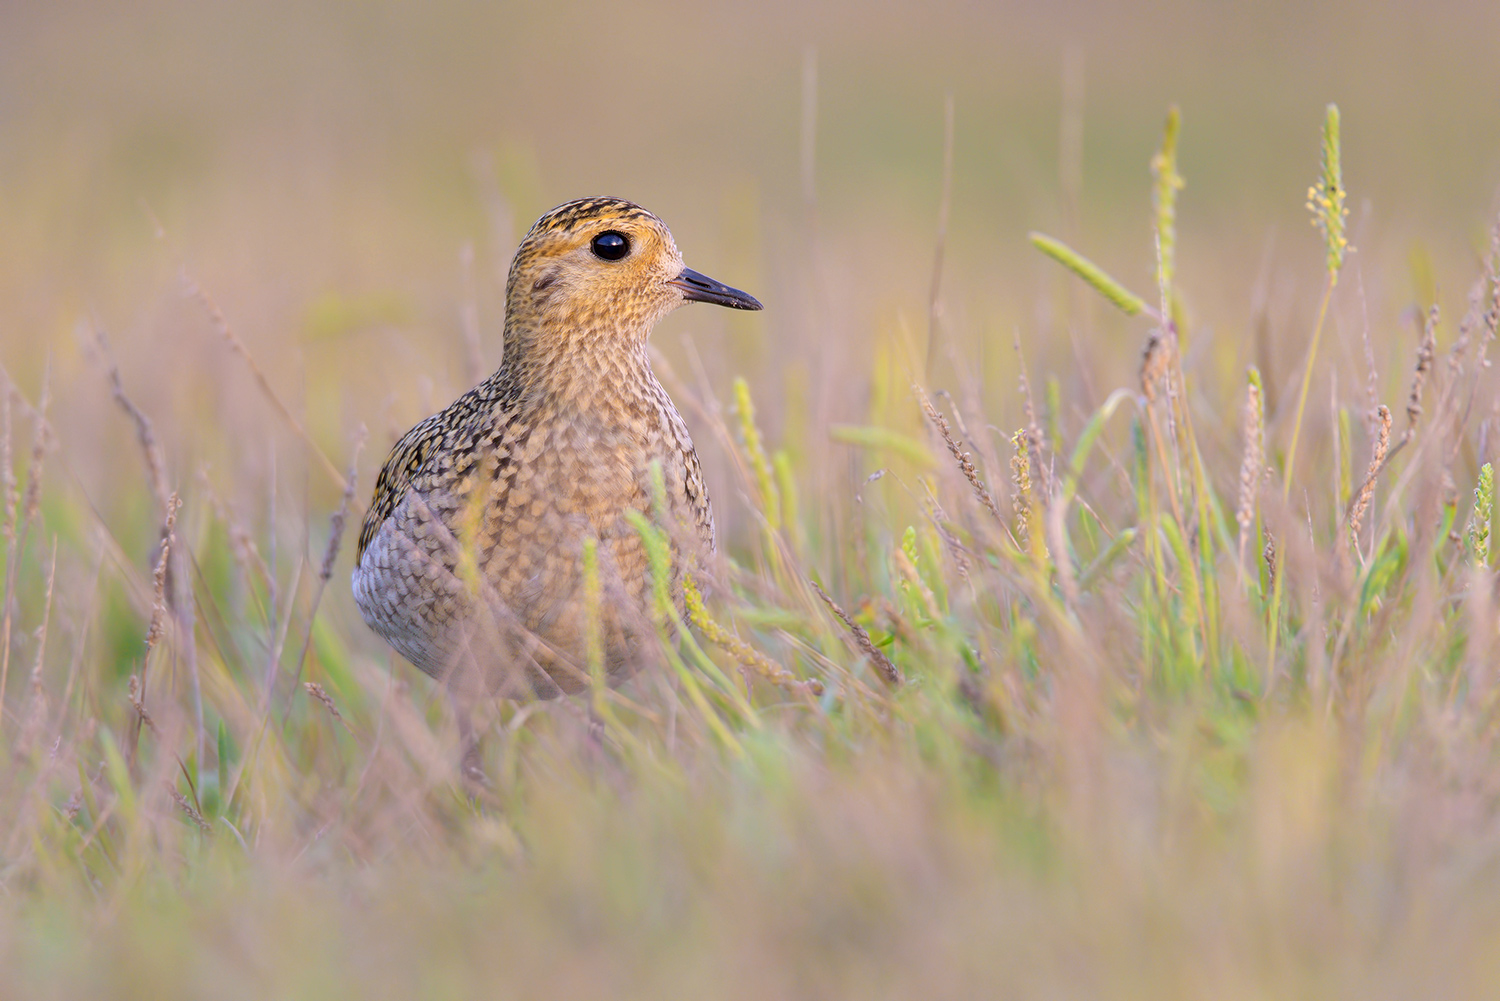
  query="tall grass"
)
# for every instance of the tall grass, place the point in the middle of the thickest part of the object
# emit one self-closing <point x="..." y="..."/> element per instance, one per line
<point x="1092" y="709"/>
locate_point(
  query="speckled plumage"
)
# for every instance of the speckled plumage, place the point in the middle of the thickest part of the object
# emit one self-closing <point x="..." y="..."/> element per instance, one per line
<point x="469" y="559"/>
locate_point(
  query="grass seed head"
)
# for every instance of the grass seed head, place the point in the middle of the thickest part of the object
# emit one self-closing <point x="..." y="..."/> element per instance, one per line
<point x="888" y="672"/>
<point x="1426" y="352"/>
<point x="321" y="695"/>
<point x="160" y="574"/>
<point x="963" y="458"/>
<point x="744" y="654"/>
<point x="755" y="453"/>
<point x="1096" y="277"/>
<point x="1164" y="196"/>
<point x="1378" y="458"/>
<point x="189" y="810"/>
<point x="1020" y="476"/>
<point x="1325" y="199"/>
<point x="135" y="692"/>
<point x="1252" y="466"/>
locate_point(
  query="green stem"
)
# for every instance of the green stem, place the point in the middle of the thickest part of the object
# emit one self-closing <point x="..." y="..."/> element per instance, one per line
<point x="1312" y="356"/>
<point x="1286" y="487"/>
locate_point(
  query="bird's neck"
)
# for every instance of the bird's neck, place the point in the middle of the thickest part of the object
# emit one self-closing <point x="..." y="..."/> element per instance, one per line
<point x="578" y="366"/>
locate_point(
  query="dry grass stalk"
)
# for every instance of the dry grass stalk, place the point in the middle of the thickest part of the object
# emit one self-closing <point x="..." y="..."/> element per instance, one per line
<point x="1372" y="374"/>
<point x="37" y="714"/>
<point x="940" y="522"/>
<point x="945" y="201"/>
<point x="18" y="525"/>
<point x="321" y="695"/>
<point x="1269" y="554"/>
<point x="1153" y="365"/>
<point x="174" y="588"/>
<point x="1035" y="442"/>
<point x="958" y="416"/>
<point x="1378" y="457"/>
<point x="1426" y="352"/>
<point x="188" y="809"/>
<point x="1171" y="364"/>
<point x="888" y="671"/>
<point x="194" y="291"/>
<point x="1473" y="317"/>
<point x="135" y="691"/>
<point x="1252" y="466"/>
<point x="336" y="523"/>
<point x="1036" y="447"/>
<point x="159" y="575"/>
<point x="41" y="441"/>
<point x="1156" y="369"/>
<point x="41" y="629"/>
<point x="1042" y="497"/>
<point x="241" y="545"/>
<point x="325" y="569"/>
<point x="1492" y="313"/>
<point x="75" y="661"/>
<point x="1020" y="476"/>
<point x="156" y="473"/>
<point x="964" y="459"/>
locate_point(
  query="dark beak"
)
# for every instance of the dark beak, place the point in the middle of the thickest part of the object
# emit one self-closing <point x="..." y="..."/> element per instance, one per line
<point x="701" y="288"/>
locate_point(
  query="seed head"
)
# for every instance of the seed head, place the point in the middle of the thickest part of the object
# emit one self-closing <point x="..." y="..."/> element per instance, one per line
<point x="1325" y="200"/>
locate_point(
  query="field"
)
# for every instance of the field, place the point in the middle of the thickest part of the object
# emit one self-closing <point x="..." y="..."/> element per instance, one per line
<point x="1107" y="603"/>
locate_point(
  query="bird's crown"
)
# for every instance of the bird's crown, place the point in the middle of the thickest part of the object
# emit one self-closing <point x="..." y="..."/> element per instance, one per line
<point x="582" y="211"/>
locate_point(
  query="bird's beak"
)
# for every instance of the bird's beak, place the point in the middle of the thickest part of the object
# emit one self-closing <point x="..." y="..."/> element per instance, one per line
<point x="701" y="288"/>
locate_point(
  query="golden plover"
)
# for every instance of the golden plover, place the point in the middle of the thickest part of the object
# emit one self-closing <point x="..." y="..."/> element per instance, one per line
<point x="470" y="558"/>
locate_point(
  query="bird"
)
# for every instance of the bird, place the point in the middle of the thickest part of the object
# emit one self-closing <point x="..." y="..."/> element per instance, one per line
<point x="470" y="560"/>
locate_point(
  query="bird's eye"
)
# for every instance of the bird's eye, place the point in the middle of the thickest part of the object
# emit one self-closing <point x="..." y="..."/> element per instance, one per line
<point x="611" y="246"/>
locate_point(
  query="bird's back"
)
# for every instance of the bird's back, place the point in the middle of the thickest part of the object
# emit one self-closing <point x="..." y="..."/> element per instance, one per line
<point x="471" y="554"/>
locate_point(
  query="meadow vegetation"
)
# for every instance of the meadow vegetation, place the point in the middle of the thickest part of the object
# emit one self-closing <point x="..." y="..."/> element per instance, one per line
<point x="1190" y="691"/>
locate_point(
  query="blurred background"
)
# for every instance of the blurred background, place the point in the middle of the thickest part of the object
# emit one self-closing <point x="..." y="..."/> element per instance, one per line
<point x="339" y="185"/>
<point x="347" y="180"/>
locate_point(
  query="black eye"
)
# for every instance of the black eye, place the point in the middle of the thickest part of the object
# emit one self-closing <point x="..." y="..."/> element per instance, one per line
<point x="611" y="246"/>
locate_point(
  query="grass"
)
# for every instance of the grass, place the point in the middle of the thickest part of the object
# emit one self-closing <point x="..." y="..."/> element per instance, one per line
<point x="1136" y="702"/>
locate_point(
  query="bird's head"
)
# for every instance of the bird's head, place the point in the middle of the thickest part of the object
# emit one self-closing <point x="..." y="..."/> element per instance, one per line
<point x="607" y="266"/>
